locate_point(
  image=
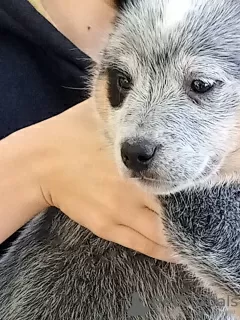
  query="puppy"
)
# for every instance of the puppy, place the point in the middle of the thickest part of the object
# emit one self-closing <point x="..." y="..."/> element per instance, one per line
<point x="171" y="77"/>
<point x="171" y="108"/>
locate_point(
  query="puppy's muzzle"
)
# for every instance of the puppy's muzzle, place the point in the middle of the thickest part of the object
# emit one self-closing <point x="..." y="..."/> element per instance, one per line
<point x="137" y="155"/>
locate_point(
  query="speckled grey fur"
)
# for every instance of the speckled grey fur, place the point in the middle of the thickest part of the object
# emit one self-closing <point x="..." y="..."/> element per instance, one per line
<point x="57" y="270"/>
<point x="207" y="237"/>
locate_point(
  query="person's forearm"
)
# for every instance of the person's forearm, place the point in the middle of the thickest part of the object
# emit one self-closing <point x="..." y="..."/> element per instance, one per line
<point x="29" y="162"/>
<point x="21" y="155"/>
<point x="29" y="165"/>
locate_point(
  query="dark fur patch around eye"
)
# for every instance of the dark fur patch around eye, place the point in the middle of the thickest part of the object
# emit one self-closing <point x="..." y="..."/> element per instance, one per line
<point x="116" y="95"/>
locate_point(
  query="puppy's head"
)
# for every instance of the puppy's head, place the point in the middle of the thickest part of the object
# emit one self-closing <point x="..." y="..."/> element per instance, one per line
<point x="168" y="89"/>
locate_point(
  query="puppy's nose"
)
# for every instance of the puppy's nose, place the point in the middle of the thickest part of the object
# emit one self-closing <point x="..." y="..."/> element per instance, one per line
<point x="137" y="155"/>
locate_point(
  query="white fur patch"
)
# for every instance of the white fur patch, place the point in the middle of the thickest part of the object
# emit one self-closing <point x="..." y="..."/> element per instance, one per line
<point x="175" y="11"/>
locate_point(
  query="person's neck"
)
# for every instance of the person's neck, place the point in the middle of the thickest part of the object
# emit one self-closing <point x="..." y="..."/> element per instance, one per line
<point x="86" y="23"/>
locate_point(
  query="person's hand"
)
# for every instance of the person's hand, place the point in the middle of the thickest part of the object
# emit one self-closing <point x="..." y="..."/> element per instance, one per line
<point x="83" y="181"/>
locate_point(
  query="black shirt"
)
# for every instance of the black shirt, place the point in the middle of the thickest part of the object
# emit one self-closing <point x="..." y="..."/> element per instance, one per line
<point x="41" y="72"/>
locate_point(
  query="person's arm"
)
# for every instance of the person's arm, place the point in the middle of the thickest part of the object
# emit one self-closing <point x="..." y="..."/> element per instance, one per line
<point x="64" y="162"/>
<point x="20" y="193"/>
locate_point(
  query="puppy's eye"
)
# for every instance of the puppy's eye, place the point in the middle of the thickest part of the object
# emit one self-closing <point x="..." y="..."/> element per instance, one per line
<point x="119" y="85"/>
<point x="200" y="86"/>
<point x="124" y="83"/>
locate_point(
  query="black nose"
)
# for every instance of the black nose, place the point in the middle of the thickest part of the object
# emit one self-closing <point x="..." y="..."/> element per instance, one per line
<point x="137" y="155"/>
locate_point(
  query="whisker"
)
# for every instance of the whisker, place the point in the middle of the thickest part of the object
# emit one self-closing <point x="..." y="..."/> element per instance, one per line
<point x="73" y="88"/>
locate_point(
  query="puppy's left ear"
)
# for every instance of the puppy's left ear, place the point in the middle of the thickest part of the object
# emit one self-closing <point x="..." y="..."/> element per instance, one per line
<point x="122" y="4"/>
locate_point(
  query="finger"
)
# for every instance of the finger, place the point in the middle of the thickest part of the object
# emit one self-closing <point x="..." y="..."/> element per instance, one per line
<point x="123" y="235"/>
<point x="131" y="239"/>
<point x="148" y="223"/>
<point x="94" y="220"/>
